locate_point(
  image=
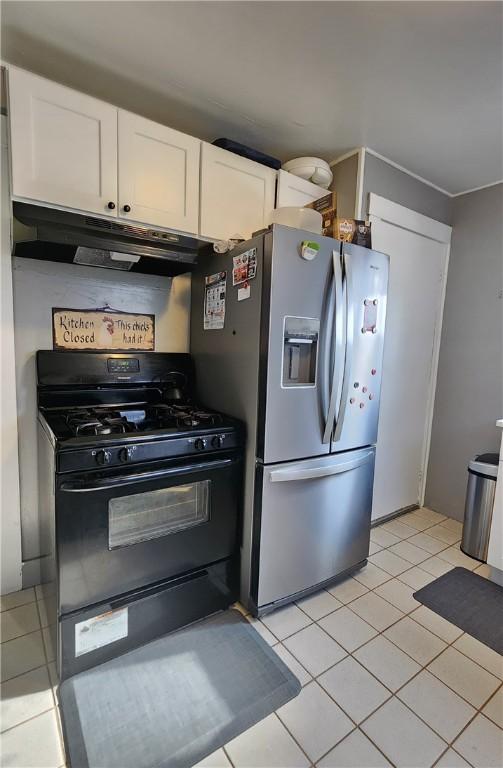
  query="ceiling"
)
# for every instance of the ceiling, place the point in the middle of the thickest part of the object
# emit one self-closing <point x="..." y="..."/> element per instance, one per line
<point x="421" y="83"/>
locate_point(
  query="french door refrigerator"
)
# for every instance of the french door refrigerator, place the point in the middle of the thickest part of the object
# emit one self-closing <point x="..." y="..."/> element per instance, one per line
<point x="287" y="333"/>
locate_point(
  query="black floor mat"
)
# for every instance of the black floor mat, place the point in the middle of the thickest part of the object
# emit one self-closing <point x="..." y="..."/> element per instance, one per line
<point x="175" y="700"/>
<point x="469" y="601"/>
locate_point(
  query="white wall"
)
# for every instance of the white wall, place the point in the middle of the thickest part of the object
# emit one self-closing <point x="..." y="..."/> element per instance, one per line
<point x="40" y="286"/>
<point x="402" y="188"/>
<point x="10" y="574"/>
<point x="344" y="183"/>
<point x="469" y="396"/>
<point x="385" y="180"/>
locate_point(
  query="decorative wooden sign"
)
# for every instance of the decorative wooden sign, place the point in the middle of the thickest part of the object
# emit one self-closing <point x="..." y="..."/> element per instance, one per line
<point x="94" y="329"/>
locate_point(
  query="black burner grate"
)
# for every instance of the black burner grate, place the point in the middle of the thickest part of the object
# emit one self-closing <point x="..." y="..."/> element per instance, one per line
<point x="102" y="421"/>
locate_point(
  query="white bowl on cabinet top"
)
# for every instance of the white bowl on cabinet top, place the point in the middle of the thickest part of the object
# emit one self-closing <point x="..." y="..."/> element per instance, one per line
<point x="313" y="169"/>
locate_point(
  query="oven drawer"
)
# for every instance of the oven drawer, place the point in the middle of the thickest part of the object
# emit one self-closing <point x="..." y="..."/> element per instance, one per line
<point x="315" y="523"/>
<point x="144" y="616"/>
<point x="117" y="533"/>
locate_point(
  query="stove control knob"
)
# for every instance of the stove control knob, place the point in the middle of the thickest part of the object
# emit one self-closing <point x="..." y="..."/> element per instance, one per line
<point x="200" y="444"/>
<point x="103" y="457"/>
<point x="126" y="454"/>
<point x="217" y="441"/>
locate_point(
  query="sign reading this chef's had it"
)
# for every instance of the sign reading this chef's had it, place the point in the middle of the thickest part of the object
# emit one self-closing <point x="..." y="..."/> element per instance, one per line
<point x="93" y="329"/>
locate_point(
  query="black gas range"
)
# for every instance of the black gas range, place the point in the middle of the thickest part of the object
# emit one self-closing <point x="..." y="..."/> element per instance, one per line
<point x="101" y="436"/>
<point x="140" y="493"/>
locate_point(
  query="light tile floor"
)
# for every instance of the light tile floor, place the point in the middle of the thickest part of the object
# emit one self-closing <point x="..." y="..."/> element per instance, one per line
<point x="386" y="682"/>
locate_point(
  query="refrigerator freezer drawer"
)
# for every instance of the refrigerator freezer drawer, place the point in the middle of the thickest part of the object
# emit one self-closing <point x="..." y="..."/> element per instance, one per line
<point x="315" y="522"/>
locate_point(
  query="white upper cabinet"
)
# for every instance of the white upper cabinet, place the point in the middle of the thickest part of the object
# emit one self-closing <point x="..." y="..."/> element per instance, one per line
<point x="237" y="195"/>
<point x="292" y="190"/>
<point x="158" y="174"/>
<point x="76" y="152"/>
<point x="63" y="145"/>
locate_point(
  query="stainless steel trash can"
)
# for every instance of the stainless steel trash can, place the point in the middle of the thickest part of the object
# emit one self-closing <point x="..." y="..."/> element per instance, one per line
<point x="482" y="472"/>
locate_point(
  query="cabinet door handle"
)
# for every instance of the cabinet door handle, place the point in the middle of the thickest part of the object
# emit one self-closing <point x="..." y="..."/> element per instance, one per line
<point x="126" y="208"/>
<point x="111" y="205"/>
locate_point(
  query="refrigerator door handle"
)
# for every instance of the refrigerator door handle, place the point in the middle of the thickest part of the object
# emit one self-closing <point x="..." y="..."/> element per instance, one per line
<point x="284" y="475"/>
<point x="338" y="337"/>
<point x="349" y="310"/>
<point x="327" y="347"/>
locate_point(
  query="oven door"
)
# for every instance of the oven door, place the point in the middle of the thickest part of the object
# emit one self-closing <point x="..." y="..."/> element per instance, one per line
<point x="120" y="532"/>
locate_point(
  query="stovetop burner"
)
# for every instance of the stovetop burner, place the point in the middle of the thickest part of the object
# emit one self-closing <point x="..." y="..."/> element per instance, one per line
<point x="90" y="422"/>
<point x="188" y="416"/>
<point x="105" y="421"/>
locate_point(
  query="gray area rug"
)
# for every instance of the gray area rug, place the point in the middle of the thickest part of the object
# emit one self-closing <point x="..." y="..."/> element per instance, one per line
<point x="175" y="700"/>
<point x="469" y="601"/>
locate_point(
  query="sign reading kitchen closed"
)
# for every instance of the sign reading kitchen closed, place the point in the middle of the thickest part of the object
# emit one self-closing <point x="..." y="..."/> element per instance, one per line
<point x="95" y="329"/>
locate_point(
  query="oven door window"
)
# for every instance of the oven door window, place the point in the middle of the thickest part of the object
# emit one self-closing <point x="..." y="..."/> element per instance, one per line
<point x="150" y="515"/>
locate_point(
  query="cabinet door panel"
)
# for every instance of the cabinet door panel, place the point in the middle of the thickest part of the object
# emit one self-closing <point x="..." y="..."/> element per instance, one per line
<point x="237" y="195"/>
<point x="158" y="174"/>
<point x="64" y="145"/>
<point x="292" y="190"/>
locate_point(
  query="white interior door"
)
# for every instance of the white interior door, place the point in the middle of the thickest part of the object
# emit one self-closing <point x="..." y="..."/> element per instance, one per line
<point x="414" y="311"/>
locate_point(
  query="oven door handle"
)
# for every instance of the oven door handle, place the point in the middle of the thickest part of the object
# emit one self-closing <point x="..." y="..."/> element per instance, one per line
<point x="114" y="482"/>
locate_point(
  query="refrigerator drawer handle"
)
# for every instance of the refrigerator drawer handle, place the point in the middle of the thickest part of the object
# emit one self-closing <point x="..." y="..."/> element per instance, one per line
<point x="283" y="475"/>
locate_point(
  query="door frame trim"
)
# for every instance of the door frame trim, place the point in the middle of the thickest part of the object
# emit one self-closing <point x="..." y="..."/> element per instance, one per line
<point x="406" y="218"/>
<point x="380" y="209"/>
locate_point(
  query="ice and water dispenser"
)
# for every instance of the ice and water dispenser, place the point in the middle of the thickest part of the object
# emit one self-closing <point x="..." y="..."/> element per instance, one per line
<point x="300" y="351"/>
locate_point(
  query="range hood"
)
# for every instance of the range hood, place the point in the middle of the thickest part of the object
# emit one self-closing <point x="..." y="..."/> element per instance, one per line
<point x="72" y="238"/>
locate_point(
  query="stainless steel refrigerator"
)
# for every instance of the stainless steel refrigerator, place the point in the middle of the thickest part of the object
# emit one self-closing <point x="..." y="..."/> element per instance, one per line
<point x="287" y="334"/>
